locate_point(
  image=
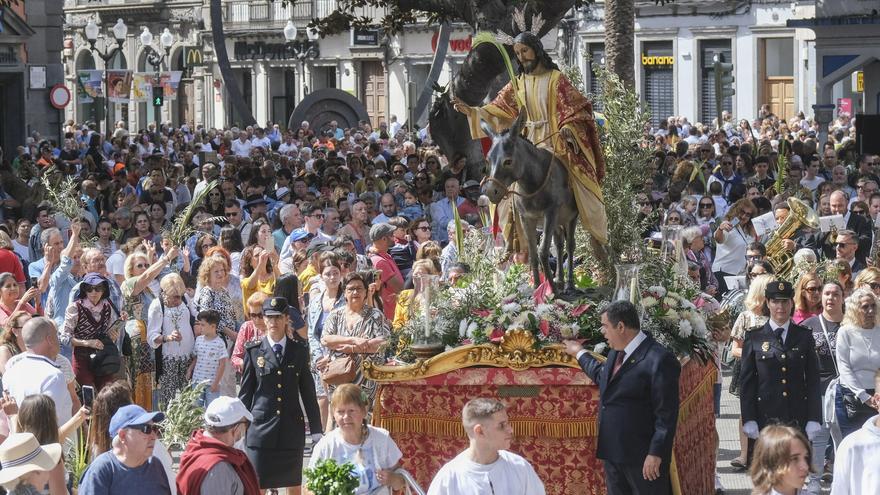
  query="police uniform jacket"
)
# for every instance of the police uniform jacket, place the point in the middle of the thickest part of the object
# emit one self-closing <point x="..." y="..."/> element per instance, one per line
<point x="271" y="391"/>
<point x="779" y="382"/>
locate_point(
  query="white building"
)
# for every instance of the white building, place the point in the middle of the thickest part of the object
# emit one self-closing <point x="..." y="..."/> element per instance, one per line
<point x="676" y="44"/>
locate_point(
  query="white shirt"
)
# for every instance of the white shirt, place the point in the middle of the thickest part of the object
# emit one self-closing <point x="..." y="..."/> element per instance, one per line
<point x="377" y="452"/>
<point x="774" y="326"/>
<point x="858" y="358"/>
<point x="163" y="325"/>
<point x="116" y="263"/>
<point x="509" y="475"/>
<point x="34" y="374"/>
<point x="730" y="254"/>
<point x="282" y="343"/>
<point x="242" y="149"/>
<point x="21" y="249"/>
<point x="208" y="354"/>
<point x="856" y="470"/>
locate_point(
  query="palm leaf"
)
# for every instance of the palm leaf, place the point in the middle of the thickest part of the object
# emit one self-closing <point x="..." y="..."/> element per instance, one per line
<point x="459" y="232"/>
<point x="781" y="167"/>
<point x="181" y="228"/>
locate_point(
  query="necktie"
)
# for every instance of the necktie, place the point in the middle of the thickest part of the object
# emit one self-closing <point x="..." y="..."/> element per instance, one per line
<point x="778" y="333"/>
<point x="618" y="362"/>
<point x="277" y="349"/>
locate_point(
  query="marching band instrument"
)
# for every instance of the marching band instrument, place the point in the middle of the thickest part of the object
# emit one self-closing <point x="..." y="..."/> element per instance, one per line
<point x="801" y="215"/>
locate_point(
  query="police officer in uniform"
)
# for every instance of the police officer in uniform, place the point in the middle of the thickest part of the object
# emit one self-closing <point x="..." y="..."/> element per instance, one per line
<point x="779" y="380"/>
<point x="275" y="377"/>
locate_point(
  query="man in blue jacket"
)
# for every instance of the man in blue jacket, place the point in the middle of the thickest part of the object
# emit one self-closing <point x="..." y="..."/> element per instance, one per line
<point x="638" y="391"/>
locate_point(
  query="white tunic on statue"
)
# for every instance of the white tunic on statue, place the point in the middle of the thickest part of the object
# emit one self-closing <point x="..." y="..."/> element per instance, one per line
<point x="509" y="475"/>
<point x="857" y="461"/>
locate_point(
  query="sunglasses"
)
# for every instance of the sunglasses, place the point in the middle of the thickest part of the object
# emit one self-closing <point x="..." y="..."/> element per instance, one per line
<point x="255" y="315"/>
<point x="858" y="212"/>
<point x="317" y="215"/>
<point x="706" y="205"/>
<point x="146" y="429"/>
<point x="812" y="289"/>
<point x="842" y="245"/>
<point x="92" y="288"/>
<point x="141" y="265"/>
<point x="873" y="285"/>
<point x="232" y="214"/>
<point x="644" y="203"/>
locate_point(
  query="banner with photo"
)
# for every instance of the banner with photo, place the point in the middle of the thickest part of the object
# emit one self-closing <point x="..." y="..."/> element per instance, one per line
<point x="118" y="85"/>
<point x="89" y="85"/>
<point x="142" y="86"/>
<point x="170" y="82"/>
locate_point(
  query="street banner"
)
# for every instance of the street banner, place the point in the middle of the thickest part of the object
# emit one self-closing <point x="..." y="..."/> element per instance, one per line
<point x="142" y="86"/>
<point x="170" y="81"/>
<point x="89" y="85"/>
<point x="118" y="85"/>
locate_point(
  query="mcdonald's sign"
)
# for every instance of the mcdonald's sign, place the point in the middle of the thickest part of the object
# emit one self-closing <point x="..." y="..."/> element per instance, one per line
<point x="193" y="56"/>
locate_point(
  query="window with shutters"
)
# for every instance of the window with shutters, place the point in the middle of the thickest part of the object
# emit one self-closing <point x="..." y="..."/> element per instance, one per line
<point x="659" y="84"/>
<point x="597" y="58"/>
<point x="709" y="49"/>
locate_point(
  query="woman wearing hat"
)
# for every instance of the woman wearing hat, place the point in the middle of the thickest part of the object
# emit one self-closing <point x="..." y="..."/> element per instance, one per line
<point x="26" y="464"/>
<point x="87" y="326"/>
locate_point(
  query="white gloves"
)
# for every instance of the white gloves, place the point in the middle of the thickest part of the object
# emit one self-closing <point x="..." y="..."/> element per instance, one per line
<point x="750" y="428"/>
<point x="812" y="429"/>
<point x="316" y="437"/>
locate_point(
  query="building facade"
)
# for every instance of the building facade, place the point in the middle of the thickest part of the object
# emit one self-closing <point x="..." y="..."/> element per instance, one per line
<point x="676" y="46"/>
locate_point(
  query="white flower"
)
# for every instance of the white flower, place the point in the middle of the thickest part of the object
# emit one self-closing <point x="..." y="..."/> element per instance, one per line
<point x="543" y="309"/>
<point x="648" y="302"/>
<point x="684" y="328"/>
<point x="567" y="332"/>
<point x="685" y="314"/>
<point x="657" y="290"/>
<point x="462" y="328"/>
<point x="699" y="325"/>
<point x="671" y="315"/>
<point x="471" y="329"/>
<point x="511" y="307"/>
<point x="600" y="347"/>
<point x="575" y="327"/>
<point x="670" y="301"/>
<point x="687" y="304"/>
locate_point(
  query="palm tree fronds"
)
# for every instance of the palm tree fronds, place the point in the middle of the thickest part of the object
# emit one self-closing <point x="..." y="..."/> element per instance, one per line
<point x="182" y="229"/>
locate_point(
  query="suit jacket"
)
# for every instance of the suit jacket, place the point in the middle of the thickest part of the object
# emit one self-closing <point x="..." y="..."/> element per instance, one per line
<point x="780" y="382"/>
<point x="863" y="229"/>
<point x="271" y="391"/>
<point x="639" y="405"/>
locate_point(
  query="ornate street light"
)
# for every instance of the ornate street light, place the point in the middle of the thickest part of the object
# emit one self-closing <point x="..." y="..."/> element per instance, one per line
<point x="301" y="50"/>
<point x="120" y="31"/>
<point x="155" y="58"/>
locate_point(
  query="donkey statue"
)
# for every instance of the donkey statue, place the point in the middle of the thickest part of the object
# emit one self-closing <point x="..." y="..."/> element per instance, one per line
<point x="539" y="183"/>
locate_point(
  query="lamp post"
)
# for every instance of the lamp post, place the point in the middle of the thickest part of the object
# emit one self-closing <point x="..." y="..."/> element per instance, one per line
<point x="155" y="59"/>
<point x="120" y="30"/>
<point x="301" y="50"/>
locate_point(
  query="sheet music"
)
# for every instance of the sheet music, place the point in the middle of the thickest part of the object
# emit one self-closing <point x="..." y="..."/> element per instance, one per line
<point x="826" y="223"/>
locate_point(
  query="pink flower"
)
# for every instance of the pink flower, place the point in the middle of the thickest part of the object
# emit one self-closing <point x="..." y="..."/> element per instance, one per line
<point x="543" y="291"/>
<point x="579" y="310"/>
<point x="482" y="313"/>
<point x="467" y="342"/>
<point x="544" y="327"/>
<point x="497" y="334"/>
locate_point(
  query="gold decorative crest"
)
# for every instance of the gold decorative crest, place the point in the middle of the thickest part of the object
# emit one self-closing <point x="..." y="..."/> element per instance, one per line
<point x="516" y="351"/>
<point x="261" y="361"/>
<point x="765" y="346"/>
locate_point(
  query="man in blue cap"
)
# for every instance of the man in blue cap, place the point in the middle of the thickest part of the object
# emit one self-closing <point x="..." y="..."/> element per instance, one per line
<point x="129" y="467"/>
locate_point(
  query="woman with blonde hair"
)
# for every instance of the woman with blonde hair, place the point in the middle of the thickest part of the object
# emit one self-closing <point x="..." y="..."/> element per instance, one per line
<point x="138" y="291"/>
<point x="858" y="358"/>
<point x="11" y="342"/>
<point x="754" y="315"/>
<point x="251" y="330"/>
<point x="171" y="334"/>
<point x="732" y="237"/>
<point x="807" y="297"/>
<point x="869" y="278"/>
<point x="781" y="462"/>
<point x="405" y="307"/>
<point x="844" y="275"/>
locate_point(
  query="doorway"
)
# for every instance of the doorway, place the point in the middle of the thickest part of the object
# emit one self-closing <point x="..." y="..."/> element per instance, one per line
<point x="373" y="92"/>
<point x="777" y="73"/>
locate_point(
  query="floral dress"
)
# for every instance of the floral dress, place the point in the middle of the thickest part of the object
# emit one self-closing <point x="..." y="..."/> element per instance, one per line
<point x="373" y="324"/>
<point x="141" y="364"/>
<point x="176" y="356"/>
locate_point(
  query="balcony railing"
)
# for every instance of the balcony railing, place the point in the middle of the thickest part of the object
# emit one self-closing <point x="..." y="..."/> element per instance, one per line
<point x="239" y="14"/>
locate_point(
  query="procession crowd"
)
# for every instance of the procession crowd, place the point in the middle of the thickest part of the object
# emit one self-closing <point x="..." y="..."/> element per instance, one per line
<point x="299" y="267"/>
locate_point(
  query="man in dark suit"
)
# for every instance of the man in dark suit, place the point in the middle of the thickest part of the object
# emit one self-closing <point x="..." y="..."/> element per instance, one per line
<point x="858" y="224"/>
<point x="779" y="380"/>
<point x="638" y="390"/>
<point x="275" y="376"/>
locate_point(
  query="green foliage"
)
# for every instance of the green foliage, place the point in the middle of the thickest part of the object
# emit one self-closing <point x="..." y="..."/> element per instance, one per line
<point x="626" y="156"/>
<point x="330" y="478"/>
<point x="183" y="416"/>
<point x="63" y="193"/>
<point x="77" y="458"/>
<point x="181" y="228"/>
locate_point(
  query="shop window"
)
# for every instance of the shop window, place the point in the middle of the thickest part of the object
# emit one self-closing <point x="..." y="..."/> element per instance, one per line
<point x="709" y="49"/>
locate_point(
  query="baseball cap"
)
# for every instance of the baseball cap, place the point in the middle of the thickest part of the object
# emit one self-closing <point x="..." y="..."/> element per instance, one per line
<point x="226" y="411"/>
<point x="300" y="235"/>
<point x="381" y="230"/>
<point x="132" y="415"/>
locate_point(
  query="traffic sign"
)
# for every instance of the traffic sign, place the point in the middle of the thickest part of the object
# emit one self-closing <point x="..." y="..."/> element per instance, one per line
<point x="59" y="96"/>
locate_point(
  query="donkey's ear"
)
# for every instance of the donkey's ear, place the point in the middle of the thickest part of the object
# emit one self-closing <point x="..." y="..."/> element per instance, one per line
<point x="487" y="129"/>
<point x="516" y="128"/>
<point x="438" y="88"/>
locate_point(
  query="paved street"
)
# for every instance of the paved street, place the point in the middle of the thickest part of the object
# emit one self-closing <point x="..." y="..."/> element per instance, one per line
<point x="735" y="483"/>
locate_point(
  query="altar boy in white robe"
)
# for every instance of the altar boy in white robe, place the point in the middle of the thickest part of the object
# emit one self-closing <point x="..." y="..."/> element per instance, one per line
<point x="486" y="467"/>
<point x="857" y="460"/>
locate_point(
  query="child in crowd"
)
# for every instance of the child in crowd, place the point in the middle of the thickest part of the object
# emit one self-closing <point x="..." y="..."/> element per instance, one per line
<point x="781" y="461"/>
<point x="210" y="358"/>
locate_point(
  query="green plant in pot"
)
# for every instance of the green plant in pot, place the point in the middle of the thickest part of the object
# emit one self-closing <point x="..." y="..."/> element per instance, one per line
<point x="331" y="478"/>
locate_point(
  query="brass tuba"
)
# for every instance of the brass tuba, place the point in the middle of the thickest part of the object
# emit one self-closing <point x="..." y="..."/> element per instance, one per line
<point x="800" y="215"/>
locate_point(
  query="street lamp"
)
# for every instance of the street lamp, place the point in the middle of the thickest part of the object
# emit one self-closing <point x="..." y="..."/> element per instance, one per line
<point x="120" y="30"/>
<point x="301" y="50"/>
<point x="155" y="59"/>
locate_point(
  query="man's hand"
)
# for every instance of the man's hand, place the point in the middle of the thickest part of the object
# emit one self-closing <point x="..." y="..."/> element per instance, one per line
<point x="460" y="106"/>
<point x="572" y="347"/>
<point x="788" y="245"/>
<point x="750" y="428"/>
<point x="651" y="469"/>
<point x="8" y="405"/>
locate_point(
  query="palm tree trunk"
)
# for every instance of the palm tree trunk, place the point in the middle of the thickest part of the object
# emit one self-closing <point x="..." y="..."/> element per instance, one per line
<point x="619" y="39"/>
<point x="235" y="96"/>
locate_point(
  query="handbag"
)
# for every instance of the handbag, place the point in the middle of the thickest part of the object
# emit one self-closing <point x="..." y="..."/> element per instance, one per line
<point x="734" y="378"/>
<point x="340" y="370"/>
<point x="830" y="398"/>
<point x="855" y="408"/>
<point x="108" y="361"/>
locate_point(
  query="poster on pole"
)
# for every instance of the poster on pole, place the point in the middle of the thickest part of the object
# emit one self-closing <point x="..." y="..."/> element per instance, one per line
<point x="170" y="82"/>
<point x="89" y="85"/>
<point x="118" y="85"/>
<point x="142" y="86"/>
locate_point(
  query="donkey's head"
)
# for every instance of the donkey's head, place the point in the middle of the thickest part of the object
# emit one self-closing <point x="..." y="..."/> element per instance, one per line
<point x="504" y="169"/>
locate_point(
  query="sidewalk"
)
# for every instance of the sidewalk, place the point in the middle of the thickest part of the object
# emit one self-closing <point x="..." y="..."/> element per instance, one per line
<point x="735" y="483"/>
